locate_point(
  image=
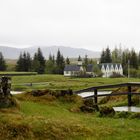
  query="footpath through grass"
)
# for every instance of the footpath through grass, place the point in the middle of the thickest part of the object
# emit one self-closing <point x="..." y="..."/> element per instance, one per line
<point x="61" y="82"/>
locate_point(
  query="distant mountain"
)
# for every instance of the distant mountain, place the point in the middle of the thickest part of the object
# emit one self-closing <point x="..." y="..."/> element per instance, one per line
<point x="13" y="53"/>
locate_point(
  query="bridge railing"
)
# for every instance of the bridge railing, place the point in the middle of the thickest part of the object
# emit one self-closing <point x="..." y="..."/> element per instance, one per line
<point x="95" y="89"/>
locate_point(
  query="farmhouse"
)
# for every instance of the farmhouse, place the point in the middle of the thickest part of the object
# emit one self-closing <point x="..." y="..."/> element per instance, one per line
<point x="109" y="68"/>
<point x="78" y="70"/>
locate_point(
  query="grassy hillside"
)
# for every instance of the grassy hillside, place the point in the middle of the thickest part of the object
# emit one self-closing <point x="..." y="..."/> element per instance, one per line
<point x="46" y="118"/>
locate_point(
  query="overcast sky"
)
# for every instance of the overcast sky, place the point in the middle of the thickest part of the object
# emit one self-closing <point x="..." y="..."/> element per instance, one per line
<point x="90" y="24"/>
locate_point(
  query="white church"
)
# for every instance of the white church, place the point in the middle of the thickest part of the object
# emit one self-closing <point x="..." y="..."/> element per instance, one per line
<point x="109" y="68"/>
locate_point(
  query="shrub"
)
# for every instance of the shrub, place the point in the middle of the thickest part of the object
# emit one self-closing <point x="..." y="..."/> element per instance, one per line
<point x="123" y="114"/>
<point x="6" y="102"/>
<point x="135" y="116"/>
<point x="106" y="111"/>
<point x="116" y="75"/>
<point x="89" y="106"/>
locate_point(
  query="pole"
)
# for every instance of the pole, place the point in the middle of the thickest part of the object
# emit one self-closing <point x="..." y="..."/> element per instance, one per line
<point x="128" y="68"/>
<point x="129" y="96"/>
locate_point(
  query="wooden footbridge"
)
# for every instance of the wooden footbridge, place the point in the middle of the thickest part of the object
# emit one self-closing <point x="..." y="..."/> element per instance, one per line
<point x="95" y="89"/>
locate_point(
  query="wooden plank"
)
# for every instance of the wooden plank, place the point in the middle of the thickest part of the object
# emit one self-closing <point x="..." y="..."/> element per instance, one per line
<point x="114" y="94"/>
<point x="95" y="96"/>
<point x="129" y="95"/>
<point x="108" y="86"/>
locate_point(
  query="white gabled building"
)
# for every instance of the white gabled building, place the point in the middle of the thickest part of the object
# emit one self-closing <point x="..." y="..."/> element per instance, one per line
<point x="78" y="70"/>
<point x="109" y="68"/>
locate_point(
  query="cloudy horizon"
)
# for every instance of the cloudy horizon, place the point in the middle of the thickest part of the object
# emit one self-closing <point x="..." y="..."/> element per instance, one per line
<point x="88" y="24"/>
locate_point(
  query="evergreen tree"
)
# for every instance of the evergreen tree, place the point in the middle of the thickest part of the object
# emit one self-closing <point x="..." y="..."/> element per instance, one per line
<point x="67" y="61"/>
<point x="24" y="62"/>
<point x="50" y="65"/>
<point x="139" y="58"/>
<point x="79" y="58"/>
<point x="102" y="59"/>
<point x="133" y="59"/>
<point x="85" y="63"/>
<point x="116" y="55"/>
<point x="2" y="62"/>
<point x="39" y="62"/>
<point x="108" y="56"/>
<point x="60" y="63"/>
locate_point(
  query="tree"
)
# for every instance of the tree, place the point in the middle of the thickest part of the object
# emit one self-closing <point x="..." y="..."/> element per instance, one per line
<point x="117" y="55"/>
<point x="102" y="59"/>
<point x="50" y="65"/>
<point x="39" y="62"/>
<point x="133" y="59"/>
<point x="79" y="58"/>
<point x="24" y="62"/>
<point x="67" y="61"/>
<point x="60" y="63"/>
<point x="85" y="63"/>
<point x="2" y="62"/>
<point x="139" y="58"/>
<point x="106" y="56"/>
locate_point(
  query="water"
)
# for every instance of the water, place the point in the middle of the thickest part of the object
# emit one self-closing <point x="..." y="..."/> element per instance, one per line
<point x="86" y="94"/>
<point x="16" y="92"/>
<point x="127" y="109"/>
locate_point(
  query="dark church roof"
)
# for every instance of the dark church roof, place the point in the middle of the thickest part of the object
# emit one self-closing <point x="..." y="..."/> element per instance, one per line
<point x="89" y="68"/>
<point x="72" y="68"/>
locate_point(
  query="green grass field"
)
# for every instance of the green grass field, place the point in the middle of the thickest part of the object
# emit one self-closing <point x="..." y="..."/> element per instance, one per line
<point x="57" y="119"/>
<point x="37" y="120"/>
<point x="61" y="82"/>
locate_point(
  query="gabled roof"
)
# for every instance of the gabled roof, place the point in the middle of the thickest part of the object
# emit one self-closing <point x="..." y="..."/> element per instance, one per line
<point x="72" y="68"/>
<point x="110" y="64"/>
<point x="89" y="68"/>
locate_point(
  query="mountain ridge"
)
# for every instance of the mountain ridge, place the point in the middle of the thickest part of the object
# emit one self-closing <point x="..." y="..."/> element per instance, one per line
<point x="13" y="52"/>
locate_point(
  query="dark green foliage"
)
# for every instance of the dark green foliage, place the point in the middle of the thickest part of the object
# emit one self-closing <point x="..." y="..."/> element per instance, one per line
<point x="24" y="62"/>
<point x="79" y="58"/>
<point x="106" y="56"/>
<point x="133" y="59"/>
<point x="135" y="116"/>
<point x="86" y="61"/>
<point x="134" y="73"/>
<point x="50" y="65"/>
<point x="39" y="62"/>
<point x="106" y="111"/>
<point x="117" y="55"/>
<point x="102" y="59"/>
<point x="60" y="63"/>
<point x="116" y="75"/>
<point x="89" y="106"/>
<point x="67" y="61"/>
<point x="6" y="102"/>
<point x="2" y="62"/>
<point x="123" y="114"/>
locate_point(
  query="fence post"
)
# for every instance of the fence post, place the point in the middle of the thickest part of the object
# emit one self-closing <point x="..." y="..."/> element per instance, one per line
<point x="129" y="96"/>
<point x="95" y="96"/>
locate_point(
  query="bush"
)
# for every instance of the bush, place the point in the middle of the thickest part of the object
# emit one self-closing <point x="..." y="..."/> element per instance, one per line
<point x="106" y="111"/>
<point x="89" y="106"/>
<point x="135" y="116"/>
<point x="116" y="75"/>
<point x="123" y="114"/>
<point x="6" y="102"/>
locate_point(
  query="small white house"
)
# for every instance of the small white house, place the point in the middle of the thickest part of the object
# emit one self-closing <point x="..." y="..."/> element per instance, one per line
<point x="72" y="70"/>
<point x="109" y="68"/>
<point x="78" y="70"/>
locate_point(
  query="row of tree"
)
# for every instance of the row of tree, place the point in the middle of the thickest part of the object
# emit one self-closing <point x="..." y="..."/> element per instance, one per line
<point x="125" y="57"/>
<point x="54" y="65"/>
<point x="38" y="63"/>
